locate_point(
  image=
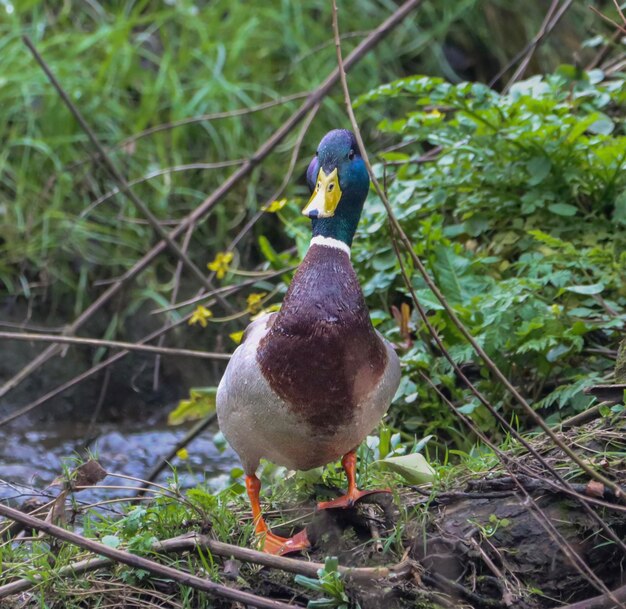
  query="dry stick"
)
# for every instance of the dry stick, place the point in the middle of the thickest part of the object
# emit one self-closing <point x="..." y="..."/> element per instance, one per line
<point x="604" y="51"/>
<point x="177" y="274"/>
<point x="567" y="548"/>
<point x="538" y="420"/>
<point x="202" y="295"/>
<point x="265" y="149"/>
<point x="138" y="562"/>
<point x="548" y="24"/>
<point x="620" y="11"/>
<point x="113" y="170"/>
<point x="84" y="375"/>
<point x="156" y="174"/>
<point x="608" y="19"/>
<point x="211" y="117"/>
<point x="226" y="550"/>
<point x="605" y="601"/>
<point x="96" y="342"/>
<point x="292" y="565"/>
<point x="545" y="29"/>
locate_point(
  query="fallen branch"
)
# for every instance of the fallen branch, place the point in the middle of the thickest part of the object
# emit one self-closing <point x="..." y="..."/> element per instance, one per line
<point x="138" y="562"/>
<point x="191" y="541"/>
<point x="600" y="602"/>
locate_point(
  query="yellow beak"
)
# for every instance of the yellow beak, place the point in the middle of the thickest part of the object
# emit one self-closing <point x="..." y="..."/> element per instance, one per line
<point x="325" y="197"/>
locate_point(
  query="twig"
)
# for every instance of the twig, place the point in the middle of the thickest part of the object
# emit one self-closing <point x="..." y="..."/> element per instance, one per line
<point x="174" y="296"/>
<point x="211" y="117"/>
<point x="292" y="163"/>
<point x="549" y="23"/>
<point x="207" y="205"/>
<point x="156" y="174"/>
<point x="446" y="585"/>
<point x="138" y="562"/>
<point x="608" y="19"/>
<point x="603" y="601"/>
<point x="114" y="344"/>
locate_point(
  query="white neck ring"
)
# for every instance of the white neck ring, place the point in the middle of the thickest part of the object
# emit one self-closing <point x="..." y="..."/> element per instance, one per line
<point x="330" y="242"/>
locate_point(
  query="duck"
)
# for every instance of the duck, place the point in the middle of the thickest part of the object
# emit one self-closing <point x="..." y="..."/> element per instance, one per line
<point x="308" y="383"/>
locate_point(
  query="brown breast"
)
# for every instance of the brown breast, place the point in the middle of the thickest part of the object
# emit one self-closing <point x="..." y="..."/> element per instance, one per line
<point x="322" y="355"/>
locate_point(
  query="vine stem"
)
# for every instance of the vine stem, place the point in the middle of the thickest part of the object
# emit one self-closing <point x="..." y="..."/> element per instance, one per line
<point x="537" y="420"/>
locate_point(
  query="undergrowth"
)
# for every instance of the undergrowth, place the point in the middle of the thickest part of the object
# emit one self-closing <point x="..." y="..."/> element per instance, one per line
<point x="518" y="215"/>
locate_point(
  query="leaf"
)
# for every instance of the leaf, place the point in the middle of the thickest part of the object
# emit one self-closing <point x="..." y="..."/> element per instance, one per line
<point x="539" y="168"/>
<point x="619" y="214"/>
<point x="594" y="288"/>
<point x="603" y="125"/>
<point x="563" y="209"/>
<point x="201" y="404"/>
<point x="111" y="541"/>
<point x="267" y="250"/>
<point x="447" y="277"/>
<point x="413" y="468"/>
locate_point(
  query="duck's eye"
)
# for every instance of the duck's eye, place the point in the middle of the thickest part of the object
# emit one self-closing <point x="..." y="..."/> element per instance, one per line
<point x="330" y="187"/>
<point x="351" y="154"/>
<point x="319" y="184"/>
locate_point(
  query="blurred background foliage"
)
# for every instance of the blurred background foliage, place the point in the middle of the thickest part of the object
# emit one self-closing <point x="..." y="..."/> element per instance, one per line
<point x="519" y="214"/>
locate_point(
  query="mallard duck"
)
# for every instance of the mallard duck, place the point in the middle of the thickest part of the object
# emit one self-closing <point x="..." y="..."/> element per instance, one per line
<point x="307" y="384"/>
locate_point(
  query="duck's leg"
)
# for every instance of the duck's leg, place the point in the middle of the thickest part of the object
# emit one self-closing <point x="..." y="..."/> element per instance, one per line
<point x="353" y="494"/>
<point x="271" y="543"/>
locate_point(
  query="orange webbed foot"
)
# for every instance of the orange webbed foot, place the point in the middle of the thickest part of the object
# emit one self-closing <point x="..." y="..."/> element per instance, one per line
<point x="270" y="542"/>
<point x="354" y="494"/>
<point x="349" y="499"/>
<point x="275" y="544"/>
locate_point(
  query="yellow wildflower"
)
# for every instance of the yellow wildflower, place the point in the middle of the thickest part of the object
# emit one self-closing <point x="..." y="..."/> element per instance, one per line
<point x="221" y="263"/>
<point x="182" y="454"/>
<point x="255" y="302"/>
<point x="275" y="206"/>
<point x="236" y="337"/>
<point x="200" y="315"/>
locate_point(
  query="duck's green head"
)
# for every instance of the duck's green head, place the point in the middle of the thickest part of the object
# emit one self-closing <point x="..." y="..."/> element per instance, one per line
<point x="338" y="179"/>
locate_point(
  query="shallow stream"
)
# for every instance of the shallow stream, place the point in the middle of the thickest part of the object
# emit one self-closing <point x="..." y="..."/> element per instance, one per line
<point x="30" y="461"/>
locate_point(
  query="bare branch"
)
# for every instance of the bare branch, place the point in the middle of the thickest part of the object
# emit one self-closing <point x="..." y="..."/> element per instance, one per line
<point x="95" y="342"/>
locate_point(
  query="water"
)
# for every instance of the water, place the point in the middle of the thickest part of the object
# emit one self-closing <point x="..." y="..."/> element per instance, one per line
<point x="30" y="461"/>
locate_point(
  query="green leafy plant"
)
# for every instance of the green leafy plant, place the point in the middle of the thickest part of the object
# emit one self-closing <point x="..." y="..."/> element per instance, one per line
<point x="330" y="583"/>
